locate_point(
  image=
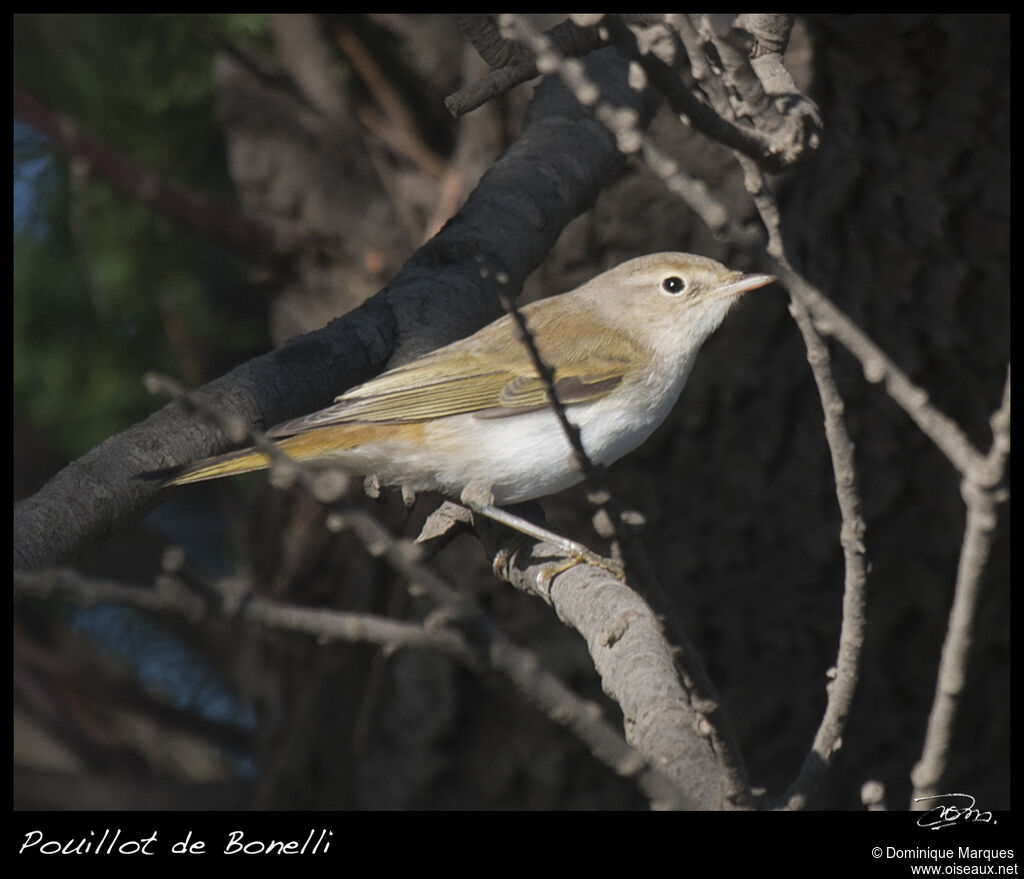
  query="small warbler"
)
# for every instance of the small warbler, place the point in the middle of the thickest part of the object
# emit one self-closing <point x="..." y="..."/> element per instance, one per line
<point x="472" y="420"/>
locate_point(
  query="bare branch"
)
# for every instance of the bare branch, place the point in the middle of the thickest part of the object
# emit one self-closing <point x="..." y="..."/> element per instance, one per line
<point x="879" y="367"/>
<point x="781" y="128"/>
<point x="520" y="666"/>
<point x="814" y="314"/>
<point x="851" y="637"/>
<point x="982" y="498"/>
<point x="671" y="727"/>
<point x="173" y="598"/>
<point x="438" y="296"/>
<point x="736" y="787"/>
<point x="513" y="63"/>
<point x="843" y="685"/>
<point x="846" y="673"/>
<point x="494" y="648"/>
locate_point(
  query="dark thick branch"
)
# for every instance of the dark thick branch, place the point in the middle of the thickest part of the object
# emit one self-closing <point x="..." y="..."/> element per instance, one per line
<point x="449" y="288"/>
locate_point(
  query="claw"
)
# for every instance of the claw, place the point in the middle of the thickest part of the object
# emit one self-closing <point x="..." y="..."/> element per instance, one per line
<point x="548" y="572"/>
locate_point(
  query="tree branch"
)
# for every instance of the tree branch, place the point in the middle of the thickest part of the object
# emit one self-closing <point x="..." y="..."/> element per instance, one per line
<point x="513" y="63"/>
<point x="553" y="172"/>
<point x="493" y="647"/>
<point x="670" y="726"/>
<point x="982" y="493"/>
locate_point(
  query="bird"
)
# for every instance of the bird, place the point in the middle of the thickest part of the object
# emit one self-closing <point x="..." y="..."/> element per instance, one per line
<point x="473" y="420"/>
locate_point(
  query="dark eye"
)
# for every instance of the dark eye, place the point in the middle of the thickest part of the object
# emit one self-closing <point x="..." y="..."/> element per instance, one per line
<point x="673" y="285"/>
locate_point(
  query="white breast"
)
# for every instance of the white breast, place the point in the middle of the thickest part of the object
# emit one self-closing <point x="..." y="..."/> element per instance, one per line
<point x="527" y="456"/>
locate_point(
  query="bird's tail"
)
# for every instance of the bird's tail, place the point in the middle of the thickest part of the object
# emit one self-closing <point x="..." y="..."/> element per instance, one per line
<point x="230" y="464"/>
<point x="309" y="445"/>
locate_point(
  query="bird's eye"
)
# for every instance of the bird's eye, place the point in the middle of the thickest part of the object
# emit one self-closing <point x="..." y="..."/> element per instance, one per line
<point x="673" y="285"/>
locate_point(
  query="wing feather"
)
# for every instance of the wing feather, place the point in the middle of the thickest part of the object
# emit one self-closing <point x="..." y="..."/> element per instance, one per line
<point x="490" y="377"/>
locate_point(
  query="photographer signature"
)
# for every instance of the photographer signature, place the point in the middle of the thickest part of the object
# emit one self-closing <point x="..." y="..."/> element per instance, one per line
<point x="948" y="814"/>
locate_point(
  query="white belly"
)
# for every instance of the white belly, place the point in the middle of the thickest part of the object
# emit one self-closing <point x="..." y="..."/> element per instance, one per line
<point x="527" y="456"/>
<point x="518" y="457"/>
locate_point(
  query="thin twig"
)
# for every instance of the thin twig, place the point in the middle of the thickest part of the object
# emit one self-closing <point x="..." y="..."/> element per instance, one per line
<point x="780" y="133"/>
<point x="705" y="698"/>
<point x="512" y="62"/>
<point x="982" y="476"/>
<point x="520" y="666"/>
<point x="842" y="687"/>
<point x="322" y="623"/>
<point x="846" y="673"/>
<point x="982" y="497"/>
<point x="945" y="433"/>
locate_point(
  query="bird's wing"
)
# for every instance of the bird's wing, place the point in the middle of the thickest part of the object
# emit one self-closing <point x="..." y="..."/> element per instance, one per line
<point x="471" y="378"/>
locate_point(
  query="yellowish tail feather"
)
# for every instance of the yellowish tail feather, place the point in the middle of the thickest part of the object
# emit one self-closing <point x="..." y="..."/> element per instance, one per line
<point x="231" y="464"/>
<point x="310" y="445"/>
<point x="301" y="447"/>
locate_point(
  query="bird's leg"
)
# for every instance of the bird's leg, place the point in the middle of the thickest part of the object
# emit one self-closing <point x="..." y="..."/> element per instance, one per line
<point x="481" y="503"/>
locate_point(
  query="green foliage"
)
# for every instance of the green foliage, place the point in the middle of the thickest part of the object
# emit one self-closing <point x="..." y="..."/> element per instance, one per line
<point x="105" y="289"/>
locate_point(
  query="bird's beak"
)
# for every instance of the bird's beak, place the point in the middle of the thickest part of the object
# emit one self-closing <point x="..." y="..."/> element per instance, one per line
<point x="743" y="284"/>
